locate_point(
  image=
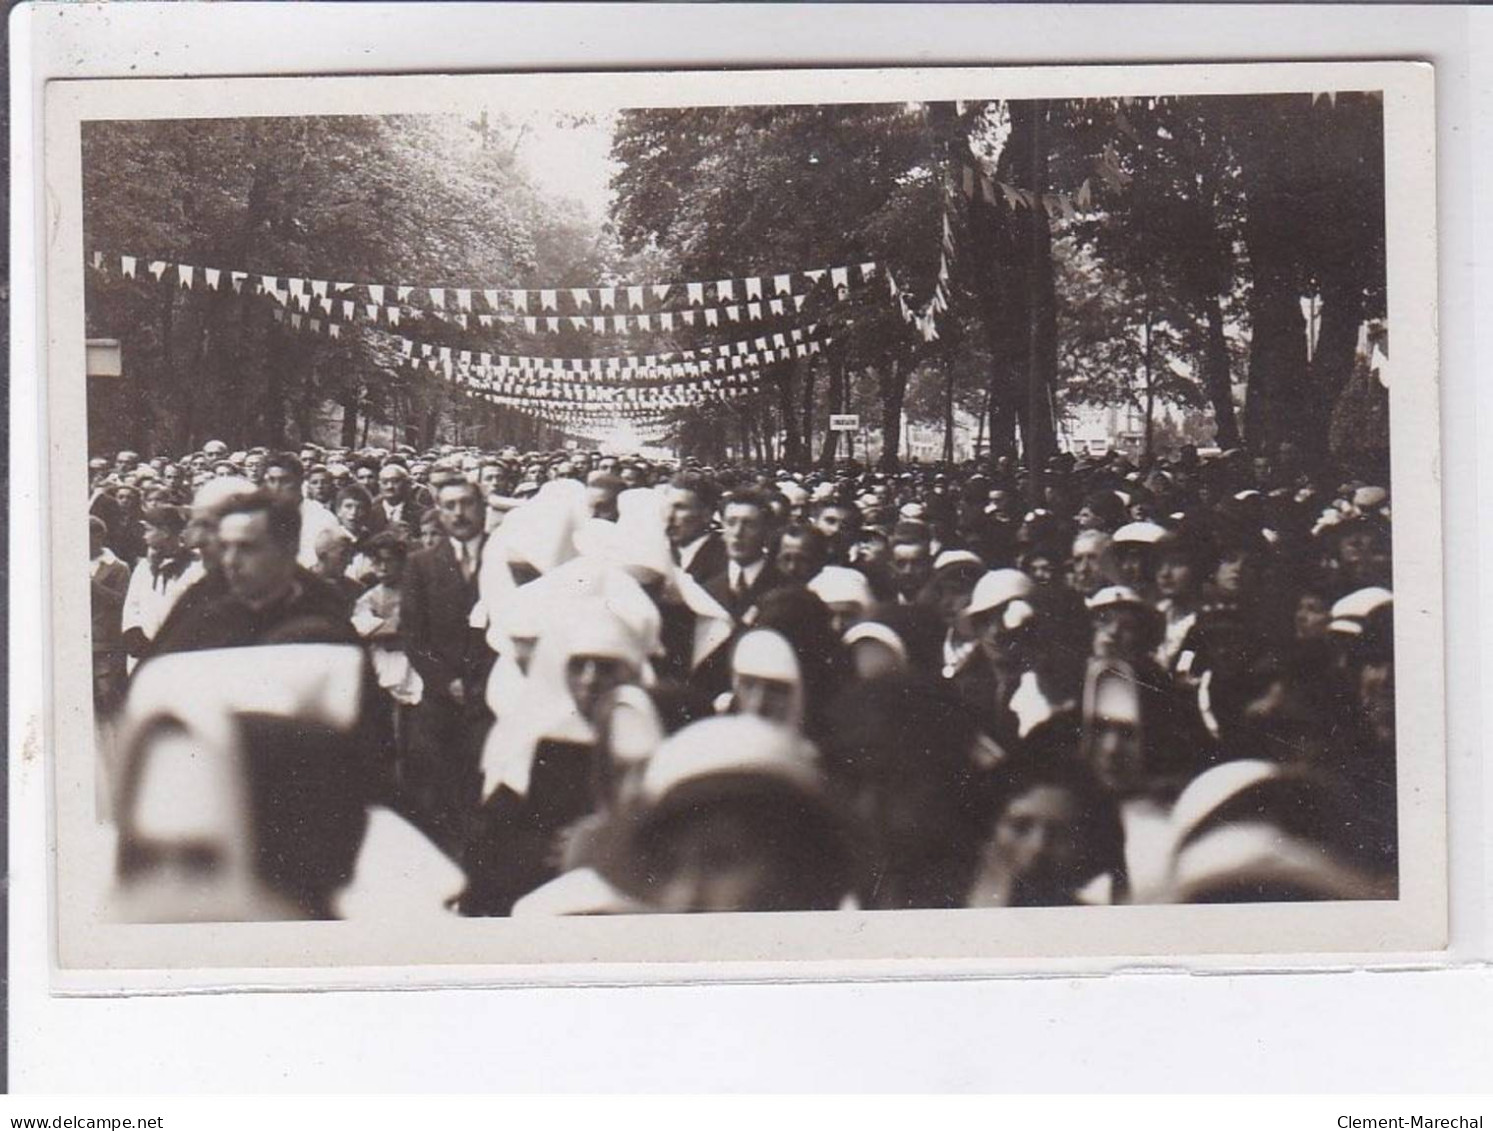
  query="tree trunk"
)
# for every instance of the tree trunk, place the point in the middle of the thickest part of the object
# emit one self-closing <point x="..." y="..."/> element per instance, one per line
<point x="948" y="414"/>
<point x="1150" y="390"/>
<point x="792" y="447"/>
<point x="836" y="396"/>
<point x="1332" y="361"/>
<point x="893" y="392"/>
<point x="811" y="375"/>
<point x="1216" y="376"/>
<point x="1037" y="437"/>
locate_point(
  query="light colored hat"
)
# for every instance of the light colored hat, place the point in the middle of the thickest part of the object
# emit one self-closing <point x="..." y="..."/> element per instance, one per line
<point x="794" y="493"/>
<point x="956" y="557"/>
<point x="913" y="511"/>
<point x="1116" y="596"/>
<point x="1367" y="498"/>
<point x="824" y="491"/>
<point x="217" y="493"/>
<point x="998" y="587"/>
<point x="215" y="448"/>
<point x="1349" y="613"/>
<point x="729" y="745"/>
<point x="765" y="654"/>
<point x="840" y="585"/>
<point x="1210" y="790"/>
<point x="881" y="633"/>
<point x="1139" y="533"/>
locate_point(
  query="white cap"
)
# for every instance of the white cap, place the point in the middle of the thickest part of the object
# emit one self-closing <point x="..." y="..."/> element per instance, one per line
<point x="957" y="557"/>
<point x="1116" y="596"/>
<point x="729" y="744"/>
<point x="1212" y="788"/>
<point x="913" y="511"/>
<point x="794" y="493"/>
<point x="1142" y="533"/>
<point x="840" y="585"/>
<point x="996" y="588"/>
<point x="765" y="654"/>
<point x="824" y="491"/>
<point x="1349" y="613"/>
<point x="875" y="630"/>
<point x="1366" y="498"/>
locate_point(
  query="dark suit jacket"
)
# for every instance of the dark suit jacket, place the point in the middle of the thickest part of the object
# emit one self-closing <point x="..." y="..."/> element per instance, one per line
<point x="719" y="587"/>
<point x="709" y="560"/>
<point x="435" y="611"/>
<point x="408" y="524"/>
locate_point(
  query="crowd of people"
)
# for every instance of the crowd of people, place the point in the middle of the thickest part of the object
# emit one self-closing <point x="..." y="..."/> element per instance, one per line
<point x="337" y="683"/>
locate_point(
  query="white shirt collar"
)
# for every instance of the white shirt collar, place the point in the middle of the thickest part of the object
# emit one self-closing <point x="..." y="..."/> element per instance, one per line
<point x="746" y="576"/>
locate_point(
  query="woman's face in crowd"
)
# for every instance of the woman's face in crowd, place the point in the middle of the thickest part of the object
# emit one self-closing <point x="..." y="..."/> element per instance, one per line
<point x="1312" y="617"/>
<point x="590" y="679"/>
<point x="430" y="534"/>
<point x="722" y="863"/>
<point x="1039" y="841"/>
<point x="770" y="699"/>
<point x="1233" y="574"/>
<point x="1088" y="519"/>
<point x="1120" y="634"/>
<point x="1175" y="577"/>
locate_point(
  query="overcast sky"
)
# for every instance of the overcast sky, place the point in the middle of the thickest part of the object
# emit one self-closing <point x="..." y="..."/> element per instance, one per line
<point x="569" y="160"/>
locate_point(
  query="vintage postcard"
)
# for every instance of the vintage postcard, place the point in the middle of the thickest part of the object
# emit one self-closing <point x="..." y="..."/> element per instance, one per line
<point x="574" y="527"/>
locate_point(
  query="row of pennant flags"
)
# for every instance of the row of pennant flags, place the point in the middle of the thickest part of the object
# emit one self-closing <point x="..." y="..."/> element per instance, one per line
<point x="597" y="308"/>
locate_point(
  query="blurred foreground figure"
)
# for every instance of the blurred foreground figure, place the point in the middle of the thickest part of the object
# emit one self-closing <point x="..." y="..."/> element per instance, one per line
<point x="735" y="817"/>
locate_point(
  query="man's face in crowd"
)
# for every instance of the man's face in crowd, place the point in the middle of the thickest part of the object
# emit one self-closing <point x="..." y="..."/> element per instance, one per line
<point x="319" y="486"/>
<point x="282" y="481"/>
<point x="1132" y="560"/>
<point x="688" y="517"/>
<point x="172" y="475"/>
<point x="353" y="515"/>
<point x="393" y="487"/>
<point x="489" y="478"/>
<point x="128" y="499"/>
<point x="744" y="527"/>
<point x="461" y="510"/>
<point x="797" y="559"/>
<point x="255" y="565"/>
<point x="308" y="456"/>
<point x="631" y="475"/>
<point x="607" y="464"/>
<point x="602" y="502"/>
<point x="912" y="566"/>
<point x="160" y="541"/>
<point x="254" y="467"/>
<point x="872" y="549"/>
<point x="367" y="479"/>
<point x="1004" y="504"/>
<point x="126" y="462"/>
<point x="1088" y="565"/>
<point x="832" y="520"/>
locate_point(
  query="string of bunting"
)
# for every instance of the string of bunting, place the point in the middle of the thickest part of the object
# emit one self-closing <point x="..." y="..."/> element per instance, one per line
<point x="594" y="304"/>
<point x="616" y="370"/>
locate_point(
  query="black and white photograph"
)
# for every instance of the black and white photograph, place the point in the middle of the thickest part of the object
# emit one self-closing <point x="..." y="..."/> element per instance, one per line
<point x="547" y="503"/>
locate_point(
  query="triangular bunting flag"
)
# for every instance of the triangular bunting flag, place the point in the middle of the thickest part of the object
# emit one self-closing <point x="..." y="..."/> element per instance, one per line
<point x="581" y="297"/>
<point x="547" y="300"/>
<point x="839" y="277"/>
<point x="158" y="269"/>
<point x="634" y="298"/>
<point x="463" y="298"/>
<point x="754" y="288"/>
<point x="660" y="292"/>
<point x="438" y="297"/>
<point x="696" y="292"/>
<point x="211" y="276"/>
<point x="319" y="288"/>
<point x="184" y="275"/>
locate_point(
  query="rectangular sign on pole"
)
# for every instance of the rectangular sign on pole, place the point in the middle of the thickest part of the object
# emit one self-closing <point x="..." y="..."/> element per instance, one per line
<point x="844" y="422"/>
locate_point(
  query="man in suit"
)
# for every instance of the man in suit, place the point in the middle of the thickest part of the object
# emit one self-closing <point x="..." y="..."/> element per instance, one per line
<point x="447" y="727"/>
<point x="700" y="551"/>
<point x="748" y="574"/>
<point x="395" y="509"/>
